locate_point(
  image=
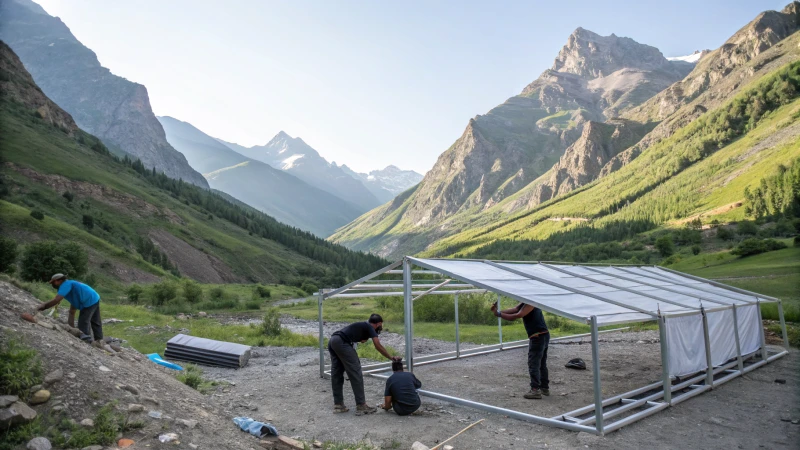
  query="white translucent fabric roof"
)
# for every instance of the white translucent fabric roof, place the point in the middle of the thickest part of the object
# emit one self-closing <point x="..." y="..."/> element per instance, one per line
<point x="612" y="294"/>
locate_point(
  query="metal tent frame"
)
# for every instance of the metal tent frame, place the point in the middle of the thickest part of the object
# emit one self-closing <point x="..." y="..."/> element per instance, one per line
<point x="639" y="284"/>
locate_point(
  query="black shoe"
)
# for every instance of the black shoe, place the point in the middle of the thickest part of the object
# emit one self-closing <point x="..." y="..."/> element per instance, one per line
<point x="546" y="392"/>
<point x="533" y="394"/>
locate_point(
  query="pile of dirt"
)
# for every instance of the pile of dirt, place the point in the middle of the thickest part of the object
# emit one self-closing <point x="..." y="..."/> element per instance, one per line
<point x="92" y="377"/>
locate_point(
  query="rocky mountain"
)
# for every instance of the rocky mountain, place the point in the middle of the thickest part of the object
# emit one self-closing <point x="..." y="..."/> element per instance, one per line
<point x="386" y="183"/>
<point x="112" y="108"/>
<point x="294" y="156"/>
<point x="275" y="192"/>
<point x="593" y="79"/>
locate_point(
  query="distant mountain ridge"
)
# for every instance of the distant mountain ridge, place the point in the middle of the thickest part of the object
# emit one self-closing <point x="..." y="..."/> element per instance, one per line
<point x="275" y="192"/>
<point x="295" y="156"/>
<point x="112" y="108"/>
<point x="386" y="183"/>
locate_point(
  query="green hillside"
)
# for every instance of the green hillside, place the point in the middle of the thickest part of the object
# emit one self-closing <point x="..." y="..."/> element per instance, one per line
<point x="135" y="224"/>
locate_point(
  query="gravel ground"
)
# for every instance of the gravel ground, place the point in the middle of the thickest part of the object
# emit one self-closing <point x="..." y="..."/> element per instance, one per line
<point x="282" y="385"/>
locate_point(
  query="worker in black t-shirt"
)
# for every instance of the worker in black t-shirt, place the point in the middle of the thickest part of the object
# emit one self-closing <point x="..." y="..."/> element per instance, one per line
<point x="538" y="341"/>
<point x="401" y="391"/>
<point x="344" y="358"/>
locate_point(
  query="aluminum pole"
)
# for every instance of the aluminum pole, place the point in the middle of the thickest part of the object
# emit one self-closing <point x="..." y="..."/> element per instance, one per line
<point x="408" y="308"/>
<point x="707" y="339"/>
<point x="739" y="360"/>
<point x="667" y="380"/>
<point x="458" y="333"/>
<point x="598" y="393"/>
<point x="321" y="337"/>
<point x="761" y="333"/>
<point x="783" y="325"/>
<point x="499" y="323"/>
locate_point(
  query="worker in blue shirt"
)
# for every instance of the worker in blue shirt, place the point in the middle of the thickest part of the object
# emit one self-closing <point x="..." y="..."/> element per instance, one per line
<point x="81" y="298"/>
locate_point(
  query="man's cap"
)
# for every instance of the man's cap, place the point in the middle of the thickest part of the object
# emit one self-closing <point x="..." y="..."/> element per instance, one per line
<point x="57" y="277"/>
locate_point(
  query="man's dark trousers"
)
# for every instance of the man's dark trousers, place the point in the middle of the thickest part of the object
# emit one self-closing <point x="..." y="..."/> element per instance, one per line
<point x="89" y="322"/>
<point x="345" y="359"/>
<point x="537" y="361"/>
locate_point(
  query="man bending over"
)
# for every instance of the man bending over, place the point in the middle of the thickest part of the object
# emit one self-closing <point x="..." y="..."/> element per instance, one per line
<point x="401" y="391"/>
<point x="83" y="298"/>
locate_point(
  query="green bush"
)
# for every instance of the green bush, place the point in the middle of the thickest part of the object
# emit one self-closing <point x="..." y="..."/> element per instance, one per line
<point x="163" y="292"/>
<point x="472" y="309"/>
<point x="20" y="369"/>
<point x="796" y="241"/>
<point x="271" y="324"/>
<point x="252" y="305"/>
<point x="747" y="228"/>
<point x="192" y="291"/>
<point x="38" y="215"/>
<point x="191" y="376"/>
<point x="309" y="288"/>
<point x="134" y="293"/>
<point x="68" y="196"/>
<point x="754" y="246"/>
<point x="87" y="221"/>
<point x="263" y="291"/>
<point x="665" y="246"/>
<point x="696" y="249"/>
<point x="42" y="259"/>
<point x="725" y="234"/>
<point x="216" y="293"/>
<point x="8" y="254"/>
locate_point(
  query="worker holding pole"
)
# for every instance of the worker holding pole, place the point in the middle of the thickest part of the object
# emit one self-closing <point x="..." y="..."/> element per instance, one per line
<point x="342" y="348"/>
<point x="538" y="341"/>
<point x="83" y="298"/>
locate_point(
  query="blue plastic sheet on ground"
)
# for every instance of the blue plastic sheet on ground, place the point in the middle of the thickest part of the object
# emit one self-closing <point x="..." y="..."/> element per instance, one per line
<point x="257" y="429"/>
<point x="156" y="358"/>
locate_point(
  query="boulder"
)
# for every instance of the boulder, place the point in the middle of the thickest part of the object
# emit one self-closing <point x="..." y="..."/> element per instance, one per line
<point x="134" y="408"/>
<point x="125" y="443"/>
<point x="53" y="377"/>
<point x="132" y="389"/>
<point x="188" y="423"/>
<point x="88" y="423"/>
<point x="39" y="443"/>
<point x="419" y="446"/>
<point x="39" y="397"/>
<point x="17" y="413"/>
<point x="7" y="400"/>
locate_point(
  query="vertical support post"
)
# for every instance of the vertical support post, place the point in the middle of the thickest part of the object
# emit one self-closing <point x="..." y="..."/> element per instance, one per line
<point x="662" y="334"/>
<point x="408" y="309"/>
<point x="761" y="333"/>
<point x="783" y="325"/>
<point x="739" y="361"/>
<point x="458" y="332"/>
<point x="598" y="392"/>
<point x="499" y="324"/>
<point x="321" y="337"/>
<point x="707" y="339"/>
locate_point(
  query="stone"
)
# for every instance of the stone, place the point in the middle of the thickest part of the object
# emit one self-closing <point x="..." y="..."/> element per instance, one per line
<point x="193" y="446"/>
<point x="152" y="400"/>
<point x="59" y="408"/>
<point x="108" y="348"/>
<point x="53" y="377"/>
<point x="93" y="447"/>
<point x="88" y="423"/>
<point x="71" y="375"/>
<point x="7" y="400"/>
<point x="125" y="443"/>
<point x="447" y="447"/>
<point x="116" y="347"/>
<point x="16" y="414"/>
<point x="104" y="369"/>
<point x="39" y="397"/>
<point x="111" y="320"/>
<point x="35" y="388"/>
<point x="167" y="437"/>
<point x="28" y="317"/>
<point x="188" y="423"/>
<point x="419" y="446"/>
<point x="155" y="414"/>
<point x="135" y="408"/>
<point x="39" y="443"/>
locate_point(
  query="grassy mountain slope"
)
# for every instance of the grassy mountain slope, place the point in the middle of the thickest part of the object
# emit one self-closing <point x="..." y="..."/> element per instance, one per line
<point x="206" y="236"/>
<point x="270" y="190"/>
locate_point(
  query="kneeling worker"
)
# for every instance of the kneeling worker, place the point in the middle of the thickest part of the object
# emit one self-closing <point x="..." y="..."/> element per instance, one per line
<point x="401" y="391"/>
<point x="538" y="341"/>
<point x="342" y="348"/>
<point x="81" y="298"/>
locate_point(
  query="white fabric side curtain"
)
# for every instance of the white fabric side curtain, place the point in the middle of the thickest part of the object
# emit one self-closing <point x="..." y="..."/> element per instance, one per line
<point x="687" y="353"/>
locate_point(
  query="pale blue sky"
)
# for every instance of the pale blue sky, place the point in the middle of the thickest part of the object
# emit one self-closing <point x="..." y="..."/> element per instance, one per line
<point x="366" y="83"/>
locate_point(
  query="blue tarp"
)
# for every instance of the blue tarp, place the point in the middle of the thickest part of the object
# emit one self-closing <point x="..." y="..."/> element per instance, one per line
<point x="257" y="429"/>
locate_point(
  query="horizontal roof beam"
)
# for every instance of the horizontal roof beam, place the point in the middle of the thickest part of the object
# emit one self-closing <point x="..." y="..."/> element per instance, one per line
<point x="362" y="279"/>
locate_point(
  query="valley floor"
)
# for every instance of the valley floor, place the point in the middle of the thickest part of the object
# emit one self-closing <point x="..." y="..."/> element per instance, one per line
<point x="284" y="387"/>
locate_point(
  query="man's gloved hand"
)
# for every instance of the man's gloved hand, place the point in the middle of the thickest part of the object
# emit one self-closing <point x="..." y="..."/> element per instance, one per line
<point x="397" y="358"/>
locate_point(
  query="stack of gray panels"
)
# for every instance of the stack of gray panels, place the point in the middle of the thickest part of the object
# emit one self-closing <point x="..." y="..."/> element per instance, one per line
<point x="207" y="351"/>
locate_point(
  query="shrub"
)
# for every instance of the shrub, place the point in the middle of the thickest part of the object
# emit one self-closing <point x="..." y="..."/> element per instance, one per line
<point x="134" y="293"/>
<point x="696" y="249"/>
<point x="68" y="196"/>
<point x="796" y="241"/>
<point x="42" y="259"/>
<point x="725" y="234"/>
<point x="664" y="245"/>
<point x="252" y="305"/>
<point x="309" y="288"/>
<point x="191" y="376"/>
<point x="271" y="324"/>
<point x="192" y="291"/>
<point x="216" y="293"/>
<point x="747" y="228"/>
<point x="38" y="215"/>
<point x="91" y="280"/>
<point x="88" y="221"/>
<point x="20" y="369"/>
<point x="755" y="246"/>
<point x="8" y="254"/>
<point x="163" y="292"/>
<point x="263" y="291"/>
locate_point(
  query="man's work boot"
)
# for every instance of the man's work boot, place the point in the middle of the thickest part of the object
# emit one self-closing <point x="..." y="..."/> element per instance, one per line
<point x="365" y="409"/>
<point x="533" y="394"/>
<point x="340" y="409"/>
<point x="546" y="392"/>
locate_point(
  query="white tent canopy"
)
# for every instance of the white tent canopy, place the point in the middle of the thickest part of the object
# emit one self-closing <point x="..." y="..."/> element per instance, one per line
<point x="706" y="328"/>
